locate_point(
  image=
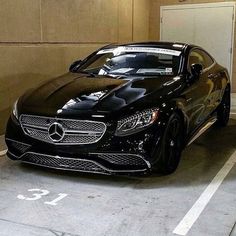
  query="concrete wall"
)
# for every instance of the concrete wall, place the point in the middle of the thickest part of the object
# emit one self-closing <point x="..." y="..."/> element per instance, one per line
<point x="154" y="23"/>
<point x="40" y="38"/>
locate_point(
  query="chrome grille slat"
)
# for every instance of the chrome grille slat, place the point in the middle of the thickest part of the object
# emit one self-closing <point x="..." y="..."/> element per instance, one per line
<point x="76" y="131"/>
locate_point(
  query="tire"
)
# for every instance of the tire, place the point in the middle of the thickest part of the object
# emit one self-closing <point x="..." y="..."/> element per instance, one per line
<point x="223" y="111"/>
<point x="170" y="149"/>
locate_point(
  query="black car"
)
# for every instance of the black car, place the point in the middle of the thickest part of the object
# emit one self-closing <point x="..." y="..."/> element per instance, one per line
<point x="124" y="109"/>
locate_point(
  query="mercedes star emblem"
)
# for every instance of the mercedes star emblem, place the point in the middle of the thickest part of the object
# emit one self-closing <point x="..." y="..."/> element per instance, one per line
<point x="56" y="132"/>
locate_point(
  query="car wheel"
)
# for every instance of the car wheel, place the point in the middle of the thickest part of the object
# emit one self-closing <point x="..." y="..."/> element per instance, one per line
<point x="169" y="151"/>
<point x="223" y="111"/>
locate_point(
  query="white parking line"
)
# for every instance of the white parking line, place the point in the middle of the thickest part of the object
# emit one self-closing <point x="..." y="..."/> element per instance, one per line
<point x="2" y="153"/>
<point x="189" y="219"/>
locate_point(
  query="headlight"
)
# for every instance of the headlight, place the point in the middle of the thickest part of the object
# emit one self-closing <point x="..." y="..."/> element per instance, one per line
<point x="136" y="122"/>
<point x="14" y="110"/>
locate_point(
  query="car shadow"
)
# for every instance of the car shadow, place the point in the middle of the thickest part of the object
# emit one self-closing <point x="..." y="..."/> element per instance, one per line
<point x="200" y="163"/>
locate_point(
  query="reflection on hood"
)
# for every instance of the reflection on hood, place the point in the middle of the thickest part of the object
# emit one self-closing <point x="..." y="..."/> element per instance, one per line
<point x="84" y="100"/>
<point x="80" y="93"/>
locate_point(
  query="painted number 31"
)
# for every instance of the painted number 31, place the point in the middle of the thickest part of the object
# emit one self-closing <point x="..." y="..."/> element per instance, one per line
<point x="39" y="193"/>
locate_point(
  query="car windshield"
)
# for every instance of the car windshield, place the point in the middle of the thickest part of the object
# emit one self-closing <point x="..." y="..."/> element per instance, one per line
<point x="133" y="61"/>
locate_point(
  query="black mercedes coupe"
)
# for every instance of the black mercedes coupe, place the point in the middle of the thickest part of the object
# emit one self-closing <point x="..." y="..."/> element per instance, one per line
<point x="125" y="109"/>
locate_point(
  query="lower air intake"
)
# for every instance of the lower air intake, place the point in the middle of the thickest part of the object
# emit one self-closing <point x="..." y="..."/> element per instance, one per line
<point x="62" y="163"/>
<point x="123" y="159"/>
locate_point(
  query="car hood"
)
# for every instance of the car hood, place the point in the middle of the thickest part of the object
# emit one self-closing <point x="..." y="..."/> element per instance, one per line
<point x="75" y="94"/>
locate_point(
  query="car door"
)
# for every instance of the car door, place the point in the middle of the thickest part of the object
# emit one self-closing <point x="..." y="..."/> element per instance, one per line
<point x="217" y="76"/>
<point x="213" y="76"/>
<point x="201" y="90"/>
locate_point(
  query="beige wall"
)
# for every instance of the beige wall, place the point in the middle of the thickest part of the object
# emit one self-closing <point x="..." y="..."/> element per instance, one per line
<point x="40" y="38"/>
<point x="154" y="23"/>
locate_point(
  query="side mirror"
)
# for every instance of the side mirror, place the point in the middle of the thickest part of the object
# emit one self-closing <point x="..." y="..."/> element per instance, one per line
<point x="196" y="70"/>
<point x="74" y="66"/>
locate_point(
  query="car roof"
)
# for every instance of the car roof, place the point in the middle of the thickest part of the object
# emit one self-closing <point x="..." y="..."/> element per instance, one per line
<point x="169" y="45"/>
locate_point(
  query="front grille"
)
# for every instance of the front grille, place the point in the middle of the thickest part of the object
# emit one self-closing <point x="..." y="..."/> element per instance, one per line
<point x="62" y="162"/>
<point x="124" y="159"/>
<point x="74" y="131"/>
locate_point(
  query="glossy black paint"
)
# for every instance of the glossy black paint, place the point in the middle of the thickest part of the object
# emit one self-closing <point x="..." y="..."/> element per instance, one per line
<point x="82" y="96"/>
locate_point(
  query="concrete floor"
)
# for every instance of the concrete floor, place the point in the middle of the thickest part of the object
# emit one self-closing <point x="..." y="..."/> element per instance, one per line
<point x="104" y="205"/>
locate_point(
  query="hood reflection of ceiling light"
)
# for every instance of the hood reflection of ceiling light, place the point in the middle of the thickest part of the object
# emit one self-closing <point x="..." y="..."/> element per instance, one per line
<point x="98" y="116"/>
<point x="177" y="45"/>
<point x="59" y="111"/>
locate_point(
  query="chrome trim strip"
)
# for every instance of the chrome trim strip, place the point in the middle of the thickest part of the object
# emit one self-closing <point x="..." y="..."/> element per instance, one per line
<point x="128" y="154"/>
<point x="202" y="130"/>
<point x="66" y="131"/>
<point x="17" y="157"/>
<point x="63" y="119"/>
<point x="12" y="140"/>
<point x="78" y="159"/>
<point x="71" y="131"/>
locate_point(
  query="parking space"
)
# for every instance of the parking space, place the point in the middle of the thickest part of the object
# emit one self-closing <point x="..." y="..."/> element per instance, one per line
<point x="38" y="201"/>
<point x="113" y="87"/>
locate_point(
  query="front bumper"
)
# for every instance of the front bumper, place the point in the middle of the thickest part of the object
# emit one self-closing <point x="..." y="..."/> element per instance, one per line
<point x="136" y="166"/>
<point x="111" y="155"/>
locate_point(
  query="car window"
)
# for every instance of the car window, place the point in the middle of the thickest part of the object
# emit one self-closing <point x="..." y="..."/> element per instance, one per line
<point x="133" y="61"/>
<point x="207" y="59"/>
<point x="198" y="56"/>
